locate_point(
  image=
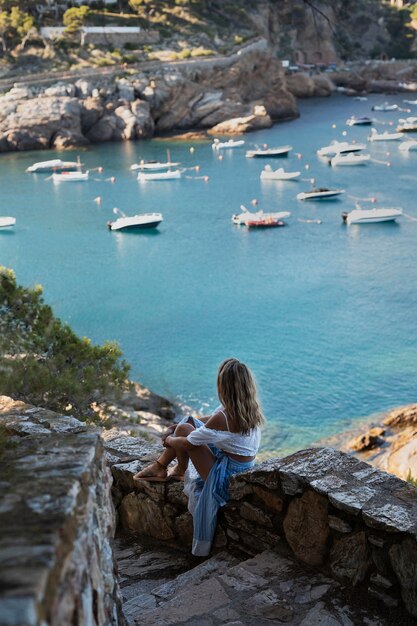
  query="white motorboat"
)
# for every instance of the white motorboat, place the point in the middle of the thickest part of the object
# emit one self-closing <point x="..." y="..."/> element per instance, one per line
<point x="385" y="136"/>
<point x="231" y="143"/>
<point x="371" y="216"/>
<point x="54" y="165"/>
<point x="407" y="127"/>
<point x="361" y="98"/>
<point x="280" y="174"/>
<point x="359" y="121"/>
<point x="7" y="222"/>
<point x="340" y="147"/>
<point x="135" y="222"/>
<point x="246" y="216"/>
<point x="69" y="177"/>
<point x="350" y="159"/>
<point x="269" y="152"/>
<point x="168" y="175"/>
<point x="320" y="193"/>
<point x="410" y="144"/>
<point x="410" y="102"/>
<point x="153" y="165"/>
<point x="385" y="107"/>
<point x="412" y="119"/>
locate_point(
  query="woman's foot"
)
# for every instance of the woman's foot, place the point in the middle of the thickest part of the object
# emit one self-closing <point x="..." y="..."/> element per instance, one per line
<point x="177" y="473"/>
<point x="155" y="472"/>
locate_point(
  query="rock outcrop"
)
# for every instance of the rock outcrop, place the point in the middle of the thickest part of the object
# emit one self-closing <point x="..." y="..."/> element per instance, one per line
<point x="195" y="95"/>
<point x="56" y="520"/>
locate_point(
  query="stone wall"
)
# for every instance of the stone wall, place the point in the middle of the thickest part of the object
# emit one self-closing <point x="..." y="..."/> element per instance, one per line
<point x="326" y="508"/>
<point x="56" y="522"/>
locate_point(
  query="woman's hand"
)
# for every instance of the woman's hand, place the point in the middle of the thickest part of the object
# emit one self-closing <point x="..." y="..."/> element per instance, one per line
<point x="168" y="432"/>
<point x="166" y="441"/>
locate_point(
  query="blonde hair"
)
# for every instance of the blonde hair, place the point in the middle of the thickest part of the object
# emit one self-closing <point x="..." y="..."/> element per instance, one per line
<point x="237" y="392"/>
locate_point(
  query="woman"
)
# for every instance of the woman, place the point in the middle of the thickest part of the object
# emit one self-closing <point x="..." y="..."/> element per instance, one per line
<point x="218" y="446"/>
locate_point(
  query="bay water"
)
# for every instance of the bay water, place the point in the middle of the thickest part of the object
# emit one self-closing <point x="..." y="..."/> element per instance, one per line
<point x="324" y="314"/>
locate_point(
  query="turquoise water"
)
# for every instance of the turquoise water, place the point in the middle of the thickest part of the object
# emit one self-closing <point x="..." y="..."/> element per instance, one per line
<point x="324" y="314"/>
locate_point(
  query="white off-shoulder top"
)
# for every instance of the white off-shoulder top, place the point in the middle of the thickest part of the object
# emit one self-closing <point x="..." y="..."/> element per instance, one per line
<point x="234" y="443"/>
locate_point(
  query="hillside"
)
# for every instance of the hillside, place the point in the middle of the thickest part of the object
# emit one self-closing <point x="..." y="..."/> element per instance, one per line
<point x="302" y="31"/>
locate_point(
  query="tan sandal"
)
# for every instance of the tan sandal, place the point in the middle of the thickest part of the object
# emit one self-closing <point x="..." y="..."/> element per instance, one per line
<point x="175" y="475"/>
<point x="139" y="477"/>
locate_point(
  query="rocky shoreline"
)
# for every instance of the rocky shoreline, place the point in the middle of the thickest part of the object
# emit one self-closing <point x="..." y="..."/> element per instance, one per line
<point x="248" y="87"/>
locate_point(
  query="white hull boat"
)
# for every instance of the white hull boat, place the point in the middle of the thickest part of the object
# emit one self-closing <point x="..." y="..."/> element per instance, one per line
<point x="340" y="147"/>
<point x="246" y="216"/>
<point x="169" y="175"/>
<point x="371" y="216"/>
<point x="153" y="165"/>
<point x="232" y="143"/>
<point x="136" y="222"/>
<point x="405" y="146"/>
<point x="320" y="194"/>
<point x="70" y="177"/>
<point x="350" y="159"/>
<point x="280" y="174"/>
<point x="54" y="165"/>
<point x="7" y="222"/>
<point x="268" y="152"/>
<point x="386" y="107"/>
<point x="410" y="102"/>
<point x="386" y="136"/>
<point x="359" y="121"/>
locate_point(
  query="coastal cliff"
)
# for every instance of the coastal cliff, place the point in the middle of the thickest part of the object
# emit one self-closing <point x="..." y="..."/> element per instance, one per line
<point x="195" y="95"/>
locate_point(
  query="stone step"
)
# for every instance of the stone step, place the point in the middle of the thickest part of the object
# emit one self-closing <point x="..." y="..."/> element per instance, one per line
<point x="268" y="588"/>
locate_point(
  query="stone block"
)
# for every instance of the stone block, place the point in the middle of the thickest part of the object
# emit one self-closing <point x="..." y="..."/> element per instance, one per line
<point x="403" y="557"/>
<point x="255" y="515"/>
<point x="269" y="498"/>
<point x="350" y="558"/>
<point x="306" y="527"/>
<point x="140" y="514"/>
<point x="338" y="524"/>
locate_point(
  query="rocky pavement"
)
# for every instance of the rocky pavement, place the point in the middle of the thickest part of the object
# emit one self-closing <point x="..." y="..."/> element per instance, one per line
<point x="161" y="588"/>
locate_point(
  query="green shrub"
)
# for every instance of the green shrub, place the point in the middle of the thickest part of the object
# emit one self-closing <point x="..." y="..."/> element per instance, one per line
<point x="202" y="52"/>
<point x="43" y="362"/>
<point x="185" y="53"/>
<point x="411" y="479"/>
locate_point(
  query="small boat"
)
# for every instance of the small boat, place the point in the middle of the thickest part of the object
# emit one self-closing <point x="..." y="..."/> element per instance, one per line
<point x="385" y="136"/>
<point x="320" y="193"/>
<point x="385" y="107"/>
<point x="168" y="175"/>
<point x="361" y="98"/>
<point x="280" y="174"/>
<point x="246" y="215"/>
<point x="269" y="152"/>
<point x="407" y="128"/>
<point x="7" y="222"/>
<point x="70" y="177"/>
<point x="266" y="222"/>
<point x="410" y="102"/>
<point x="371" y="216"/>
<point x="135" y="222"/>
<point x="410" y="144"/>
<point x="231" y="143"/>
<point x="153" y="165"/>
<point x="359" y="121"/>
<point x="54" y="165"/>
<point x="340" y="147"/>
<point x="350" y="159"/>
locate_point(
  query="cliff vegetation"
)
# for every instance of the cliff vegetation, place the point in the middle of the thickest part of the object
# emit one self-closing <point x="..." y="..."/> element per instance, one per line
<point x="304" y="31"/>
<point x="43" y="362"/>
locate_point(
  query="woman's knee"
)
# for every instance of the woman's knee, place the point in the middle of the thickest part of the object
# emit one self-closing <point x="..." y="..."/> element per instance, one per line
<point x="182" y="430"/>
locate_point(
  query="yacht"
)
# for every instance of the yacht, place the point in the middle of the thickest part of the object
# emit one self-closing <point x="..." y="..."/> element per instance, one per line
<point x="371" y="216"/>
<point x="7" y="222"/>
<point x="280" y="174"/>
<point x="340" y="147"/>
<point x="321" y="193"/>
<point x="269" y="152"/>
<point x="359" y="121"/>
<point x="135" y="222"/>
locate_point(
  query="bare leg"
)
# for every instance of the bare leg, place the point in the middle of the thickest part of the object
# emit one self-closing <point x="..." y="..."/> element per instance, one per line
<point x="158" y="469"/>
<point x="202" y="457"/>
